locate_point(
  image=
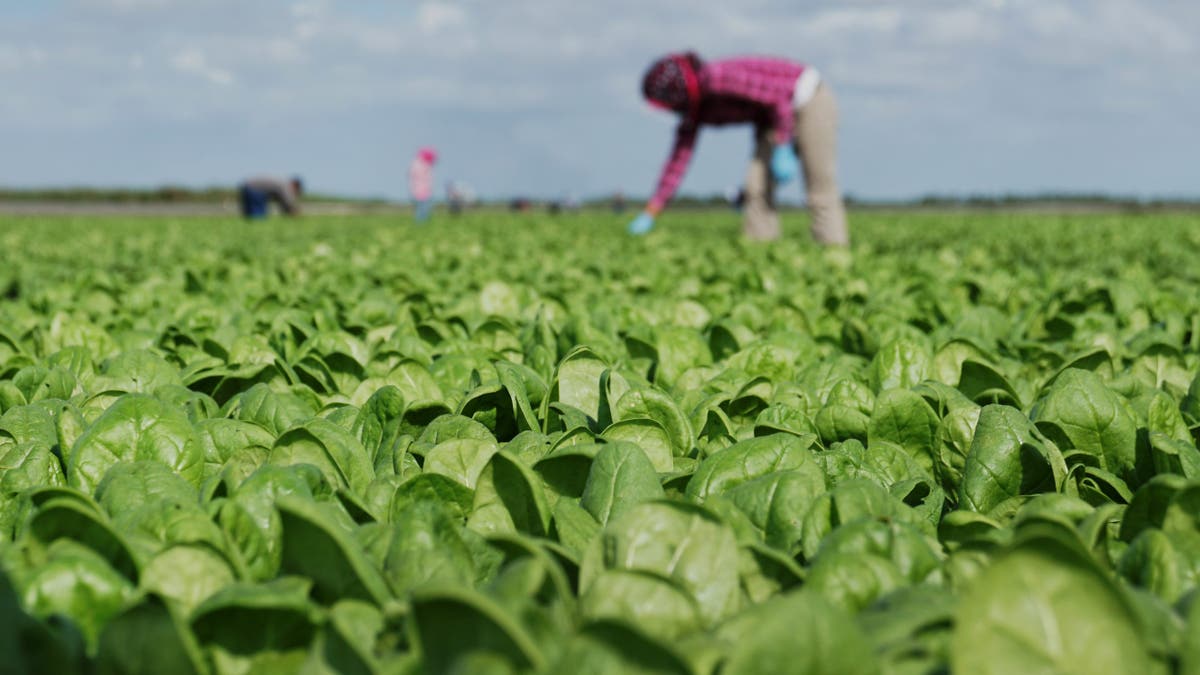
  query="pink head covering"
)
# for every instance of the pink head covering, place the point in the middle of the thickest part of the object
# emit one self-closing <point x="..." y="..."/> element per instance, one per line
<point x="428" y="154"/>
<point x="672" y="82"/>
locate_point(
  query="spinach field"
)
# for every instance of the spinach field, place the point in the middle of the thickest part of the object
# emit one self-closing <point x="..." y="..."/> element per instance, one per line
<point x="531" y="444"/>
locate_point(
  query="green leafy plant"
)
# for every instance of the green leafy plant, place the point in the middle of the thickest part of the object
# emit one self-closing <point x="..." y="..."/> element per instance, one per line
<point x="521" y="445"/>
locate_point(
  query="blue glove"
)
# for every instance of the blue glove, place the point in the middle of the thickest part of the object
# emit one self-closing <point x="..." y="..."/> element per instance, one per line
<point x="784" y="164"/>
<point x="642" y="224"/>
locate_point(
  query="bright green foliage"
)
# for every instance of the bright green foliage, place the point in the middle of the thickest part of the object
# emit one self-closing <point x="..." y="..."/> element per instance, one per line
<point x="1045" y="606"/>
<point x="510" y="444"/>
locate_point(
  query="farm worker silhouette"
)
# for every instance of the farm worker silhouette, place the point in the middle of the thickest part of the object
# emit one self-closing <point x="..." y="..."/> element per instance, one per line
<point x="791" y="107"/>
<point x="420" y="182"/>
<point x="256" y="194"/>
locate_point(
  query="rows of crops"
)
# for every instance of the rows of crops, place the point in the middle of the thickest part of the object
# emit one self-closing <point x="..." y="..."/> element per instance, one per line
<point x="517" y="444"/>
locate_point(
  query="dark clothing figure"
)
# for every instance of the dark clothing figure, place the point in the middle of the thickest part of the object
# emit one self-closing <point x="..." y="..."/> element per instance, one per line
<point x="256" y="194"/>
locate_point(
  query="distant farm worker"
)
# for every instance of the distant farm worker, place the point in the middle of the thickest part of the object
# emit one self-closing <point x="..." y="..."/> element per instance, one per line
<point x="256" y="194"/>
<point x="420" y="182"/>
<point x="791" y="107"/>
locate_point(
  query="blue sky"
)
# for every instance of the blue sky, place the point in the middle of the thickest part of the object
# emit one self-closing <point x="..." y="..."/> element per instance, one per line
<point x="540" y="97"/>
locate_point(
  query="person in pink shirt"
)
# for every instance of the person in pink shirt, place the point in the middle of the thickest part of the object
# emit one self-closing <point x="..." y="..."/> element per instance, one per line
<point x="791" y="108"/>
<point x="420" y="182"/>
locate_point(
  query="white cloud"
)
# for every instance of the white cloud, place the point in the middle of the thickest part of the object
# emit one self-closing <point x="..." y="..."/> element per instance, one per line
<point x="15" y="58"/>
<point x="283" y="51"/>
<point x="434" y="17"/>
<point x="194" y="62"/>
<point x="309" y="16"/>
<point x="1138" y="27"/>
<point x="848" y="20"/>
<point x="309" y="9"/>
<point x="921" y="70"/>
<point x="127" y="5"/>
<point x="1053" y="20"/>
<point x="483" y="96"/>
<point x="961" y="25"/>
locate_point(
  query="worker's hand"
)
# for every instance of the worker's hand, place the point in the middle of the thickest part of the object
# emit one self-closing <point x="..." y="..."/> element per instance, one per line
<point x="642" y="224"/>
<point x="784" y="164"/>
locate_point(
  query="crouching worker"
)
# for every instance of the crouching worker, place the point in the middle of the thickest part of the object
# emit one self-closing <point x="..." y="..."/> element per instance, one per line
<point x="790" y="106"/>
<point x="256" y="194"/>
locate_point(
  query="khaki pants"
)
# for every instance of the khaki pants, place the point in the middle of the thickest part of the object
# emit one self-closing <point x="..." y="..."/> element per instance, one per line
<point x="816" y="137"/>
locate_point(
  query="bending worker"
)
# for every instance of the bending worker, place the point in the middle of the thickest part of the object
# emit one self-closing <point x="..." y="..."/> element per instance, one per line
<point x="256" y="194"/>
<point x="790" y="106"/>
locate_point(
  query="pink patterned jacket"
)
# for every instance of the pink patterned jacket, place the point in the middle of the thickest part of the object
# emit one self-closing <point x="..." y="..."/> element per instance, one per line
<point x="420" y="179"/>
<point x="755" y="90"/>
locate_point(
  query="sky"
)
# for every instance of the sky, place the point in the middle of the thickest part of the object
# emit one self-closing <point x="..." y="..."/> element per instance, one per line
<point x="541" y="97"/>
